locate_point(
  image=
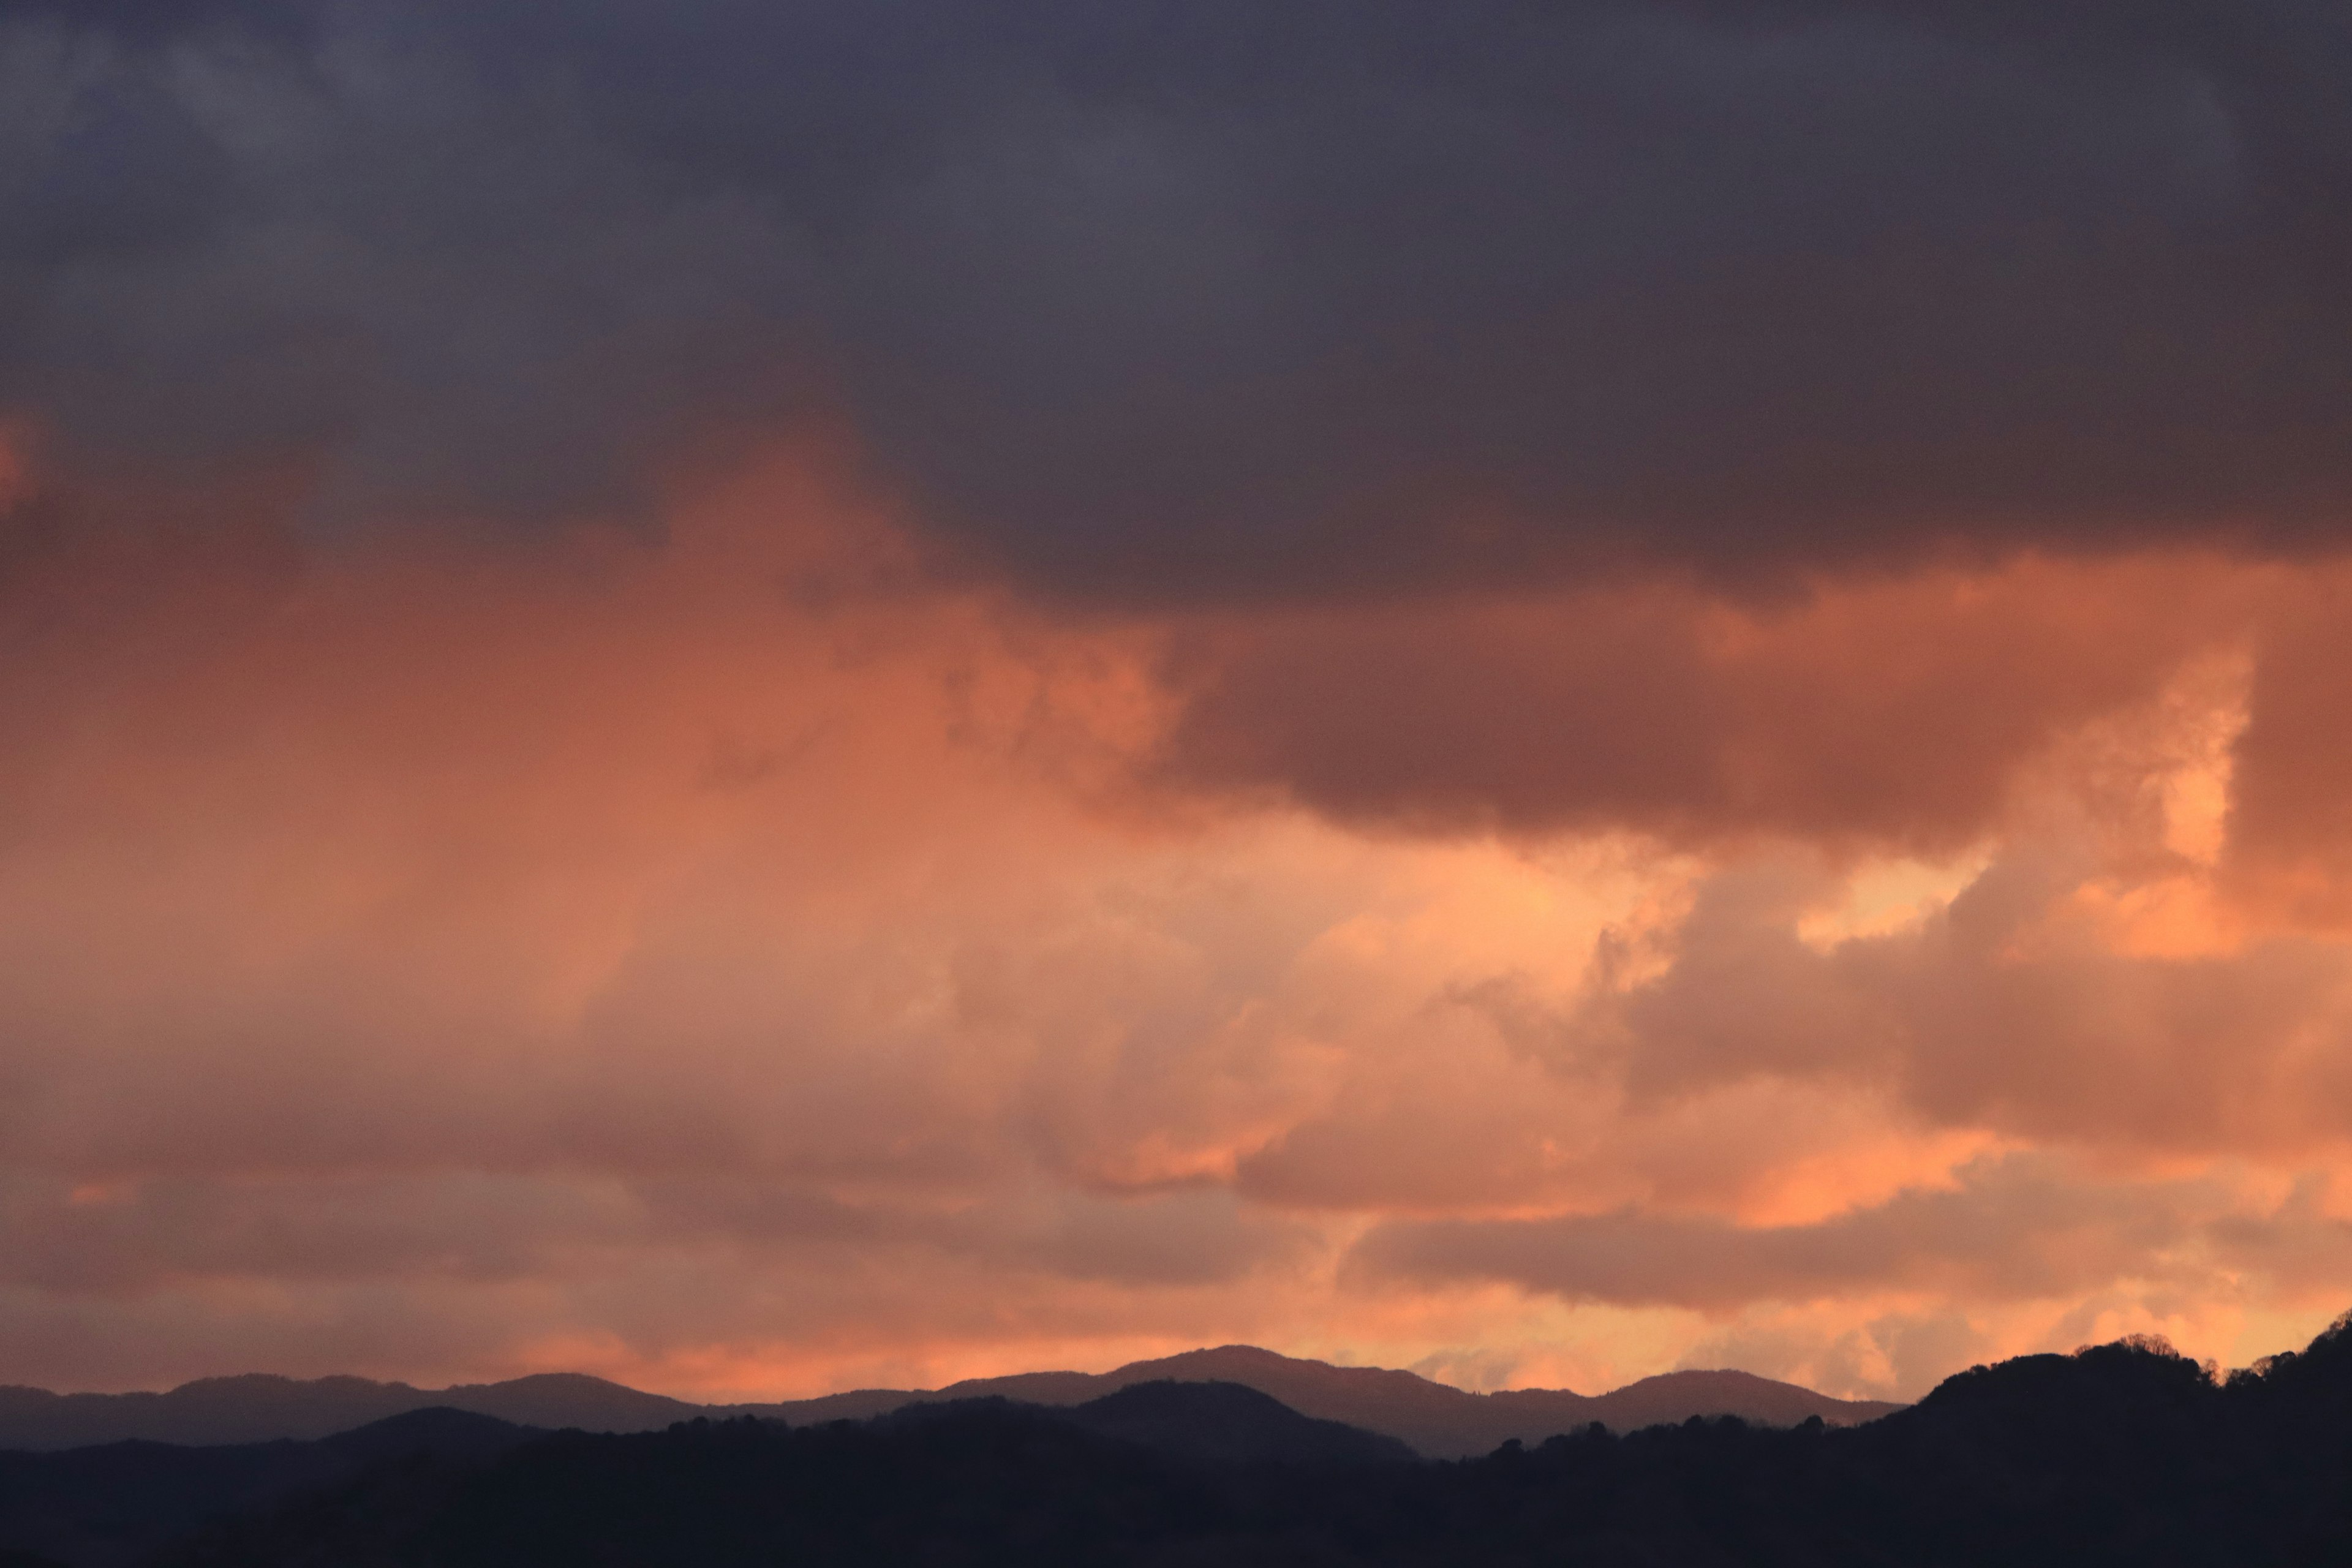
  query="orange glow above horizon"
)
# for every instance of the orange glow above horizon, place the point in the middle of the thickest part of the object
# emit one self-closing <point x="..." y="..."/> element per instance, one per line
<point x="753" y="962"/>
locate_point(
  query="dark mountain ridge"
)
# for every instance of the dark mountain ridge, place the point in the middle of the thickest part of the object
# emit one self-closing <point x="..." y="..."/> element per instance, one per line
<point x="2118" y="1455"/>
<point x="1209" y="1423"/>
<point x="258" y="1407"/>
<point x="114" y="1504"/>
<point x="1438" y="1421"/>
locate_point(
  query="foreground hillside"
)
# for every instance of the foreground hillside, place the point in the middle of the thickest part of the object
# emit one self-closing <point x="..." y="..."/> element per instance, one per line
<point x="1439" y="1422"/>
<point x="114" y="1506"/>
<point x="119" y="1504"/>
<point x="2121" y="1455"/>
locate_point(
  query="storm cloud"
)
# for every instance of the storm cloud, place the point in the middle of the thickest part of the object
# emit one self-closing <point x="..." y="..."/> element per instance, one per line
<point x="1150" y="301"/>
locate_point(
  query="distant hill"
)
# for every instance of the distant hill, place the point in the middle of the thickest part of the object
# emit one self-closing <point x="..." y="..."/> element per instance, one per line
<point x="1211" y="1423"/>
<point x="1436" y="1420"/>
<point x="116" y="1505"/>
<point x="1439" y="1421"/>
<point x="258" y="1408"/>
<point x="2124" y="1456"/>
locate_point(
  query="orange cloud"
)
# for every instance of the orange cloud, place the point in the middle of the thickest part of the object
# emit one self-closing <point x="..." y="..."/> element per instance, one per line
<point x="1892" y="711"/>
<point x="746" y="961"/>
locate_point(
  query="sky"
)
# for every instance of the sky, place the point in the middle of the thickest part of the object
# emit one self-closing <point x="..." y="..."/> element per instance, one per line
<point x="765" y="698"/>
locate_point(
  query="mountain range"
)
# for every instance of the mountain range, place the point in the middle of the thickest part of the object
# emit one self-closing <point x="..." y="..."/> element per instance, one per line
<point x="2120" y="1456"/>
<point x="116" y="1505"/>
<point x="1434" y="1419"/>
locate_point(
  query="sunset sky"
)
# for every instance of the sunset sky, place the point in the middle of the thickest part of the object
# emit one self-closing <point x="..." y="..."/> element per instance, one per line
<point x="765" y="698"/>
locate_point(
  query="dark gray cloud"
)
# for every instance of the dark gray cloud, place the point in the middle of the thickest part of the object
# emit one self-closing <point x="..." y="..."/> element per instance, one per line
<point x="1154" y="300"/>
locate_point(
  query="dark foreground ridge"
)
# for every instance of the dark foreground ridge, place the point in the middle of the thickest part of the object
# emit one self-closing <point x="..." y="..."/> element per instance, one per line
<point x="1437" y="1421"/>
<point x="2124" y="1454"/>
<point x="115" y="1505"/>
<point x="119" y="1505"/>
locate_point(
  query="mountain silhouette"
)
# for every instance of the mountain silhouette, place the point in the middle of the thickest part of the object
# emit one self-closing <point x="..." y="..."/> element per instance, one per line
<point x="1438" y="1421"/>
<point x="2122" y="1456"/>
<point x="114" y="1504"/>
<point x="259" y="1409"/>
<point x="1213" y="1423"/>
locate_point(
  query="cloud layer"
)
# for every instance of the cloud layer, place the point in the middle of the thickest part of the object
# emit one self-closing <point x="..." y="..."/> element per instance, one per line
<point x="766" y="697"/>
<point x="747" y="960"/>
<point x="1153" y="302"/>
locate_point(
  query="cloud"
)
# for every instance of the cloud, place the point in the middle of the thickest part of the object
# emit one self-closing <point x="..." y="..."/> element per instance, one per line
<point x="748" y="959"/>
<point x="2008" y="1008"/>
<point x="2007" y="1234"/>
<point x="1239" y="301"/>
<point x="1537" y="687"/>
<point x="2290" y="834"/>
<point x="2011" y="1229"/>
<point x="422" y="932"/>
<point x="1887" y="711"/>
